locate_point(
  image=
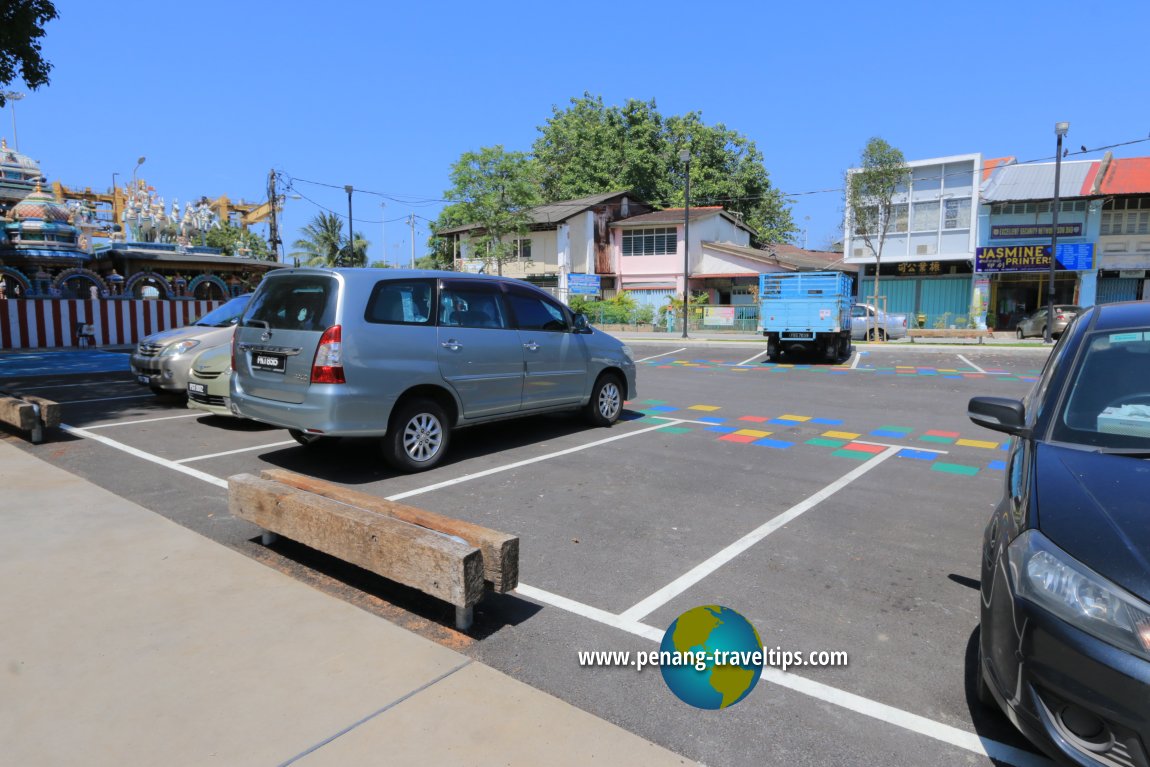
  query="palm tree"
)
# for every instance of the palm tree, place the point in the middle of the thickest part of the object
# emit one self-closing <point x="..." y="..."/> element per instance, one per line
<point x="321" y="242"/>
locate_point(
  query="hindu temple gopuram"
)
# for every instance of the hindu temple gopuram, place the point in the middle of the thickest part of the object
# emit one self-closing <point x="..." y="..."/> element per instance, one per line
<point x="59" y="243"/>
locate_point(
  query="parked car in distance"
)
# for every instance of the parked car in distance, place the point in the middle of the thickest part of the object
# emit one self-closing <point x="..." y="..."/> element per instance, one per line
<point x="869" y="321"/>
<point x="209" y="380"/>
<point x="1064" y="646"/>
<point x="1035" y="324"/>
<point x="161" y="361"/>
<point x="410" y="355"/>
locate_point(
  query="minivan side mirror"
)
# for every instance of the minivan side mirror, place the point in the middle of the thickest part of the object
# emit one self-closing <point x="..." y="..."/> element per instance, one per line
<point x="581" y="324"/>
<point x="999" y="414"/>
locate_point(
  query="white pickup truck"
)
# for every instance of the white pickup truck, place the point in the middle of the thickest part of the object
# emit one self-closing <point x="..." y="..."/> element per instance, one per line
<point x="868" y="319"/>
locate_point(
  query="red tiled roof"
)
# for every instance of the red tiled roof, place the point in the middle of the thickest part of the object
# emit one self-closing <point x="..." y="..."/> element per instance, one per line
<point x="1128" y="176"/>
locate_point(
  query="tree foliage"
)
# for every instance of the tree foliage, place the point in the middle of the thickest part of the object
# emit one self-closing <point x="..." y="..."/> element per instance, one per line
<point x="231" y="239"/>
<point x="870" y="189"/>
<point x="21" y="27"/>
<point x="493" y="189"/>
<point x="324" y="244"/>
<point x="589" y="148"/>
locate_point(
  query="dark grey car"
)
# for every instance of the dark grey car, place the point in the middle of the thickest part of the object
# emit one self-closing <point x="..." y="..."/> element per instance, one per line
<point x="409" y="355"/>
<point x="1035" y="324"/>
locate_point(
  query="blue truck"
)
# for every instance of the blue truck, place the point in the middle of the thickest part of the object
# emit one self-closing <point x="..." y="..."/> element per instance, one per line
<point x="806" y="313"/>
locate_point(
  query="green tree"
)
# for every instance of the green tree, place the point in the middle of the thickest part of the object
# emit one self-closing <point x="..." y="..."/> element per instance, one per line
<point x="231" y="239"/>
<point x="589" y="148"/>
<point x="882" y="173"/>
<point x="494" y="190"/>
<point x="323" y="244"/>
<point x="21" y="27"/>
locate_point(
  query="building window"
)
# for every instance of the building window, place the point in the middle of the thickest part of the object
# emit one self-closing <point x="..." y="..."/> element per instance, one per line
<point x="956" y="215"/>
<point x="899" y="218"/>
<point x="925" y="217"/>
<point x="523" y="249"/>
<point x="661" y="241"/>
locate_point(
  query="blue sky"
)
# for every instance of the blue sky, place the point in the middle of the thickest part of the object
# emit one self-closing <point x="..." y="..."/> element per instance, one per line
<point x="385" y="96"/>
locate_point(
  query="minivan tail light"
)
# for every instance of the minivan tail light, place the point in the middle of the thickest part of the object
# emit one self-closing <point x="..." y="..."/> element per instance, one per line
<point x="328" y="364"/>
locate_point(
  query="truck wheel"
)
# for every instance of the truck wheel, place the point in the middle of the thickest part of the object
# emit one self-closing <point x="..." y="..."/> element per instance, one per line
<point x="417" y="436"/>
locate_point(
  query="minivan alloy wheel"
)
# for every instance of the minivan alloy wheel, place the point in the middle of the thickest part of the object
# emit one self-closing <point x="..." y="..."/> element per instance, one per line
<point x="422" y="437"/>
<point x="609" y="401"/>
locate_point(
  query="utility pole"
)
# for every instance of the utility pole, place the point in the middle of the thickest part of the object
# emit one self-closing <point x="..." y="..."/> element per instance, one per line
<point x="411" y="221"/>
<point x="383" y="215"/>
<point x="350" y="236"/>
<point x="273" y="230"/>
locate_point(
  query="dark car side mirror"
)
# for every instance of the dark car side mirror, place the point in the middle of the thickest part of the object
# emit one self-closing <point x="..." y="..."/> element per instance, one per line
<point x="581" y="325"/>
<point x="999" y="414"/>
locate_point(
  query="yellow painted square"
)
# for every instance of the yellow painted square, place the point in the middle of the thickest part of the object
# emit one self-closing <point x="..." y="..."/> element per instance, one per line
<point x="977" y="443"/>
<point x="841" y="434"/>
<point x="753" y="433"/>
<point x="794" y="418"/>
<point x="705" y="408"/>
<point x="946" y="370"/>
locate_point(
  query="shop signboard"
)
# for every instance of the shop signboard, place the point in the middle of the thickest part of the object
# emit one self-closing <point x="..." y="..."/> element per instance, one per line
<point x="1032" y="231"/>
<point x="1077" y="256"/>
<point x="719" y="316"/>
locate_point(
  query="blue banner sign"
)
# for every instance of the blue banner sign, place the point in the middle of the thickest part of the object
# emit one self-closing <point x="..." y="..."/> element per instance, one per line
<point x="583" y="284"/>
<point x="1076" y="256"/>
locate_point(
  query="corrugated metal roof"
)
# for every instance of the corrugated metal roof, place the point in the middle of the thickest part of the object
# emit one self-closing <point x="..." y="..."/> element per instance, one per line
<point x="669" y="216"/>
<point x="554" y="212"/>
<point x="1036" y="181"/>
<point x="1129" y="176"/>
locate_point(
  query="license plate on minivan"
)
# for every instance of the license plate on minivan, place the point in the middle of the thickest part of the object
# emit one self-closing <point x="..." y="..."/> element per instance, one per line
<point x="274" y="363"/>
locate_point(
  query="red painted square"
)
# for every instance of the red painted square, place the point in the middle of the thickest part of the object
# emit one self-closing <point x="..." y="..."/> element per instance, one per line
<point x="951" y="434"/>
<point x="754" y="419"/>
<point x="864" y="448"/>
<point x="741" y="438"/>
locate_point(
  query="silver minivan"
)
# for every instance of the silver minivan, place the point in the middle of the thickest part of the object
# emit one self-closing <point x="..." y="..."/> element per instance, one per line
<point x="409" y="355"/>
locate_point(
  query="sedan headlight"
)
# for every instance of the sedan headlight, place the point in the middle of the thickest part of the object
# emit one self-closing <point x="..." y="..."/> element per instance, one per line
<point x="179" y="348"/>
<point x="1051" y="578"/>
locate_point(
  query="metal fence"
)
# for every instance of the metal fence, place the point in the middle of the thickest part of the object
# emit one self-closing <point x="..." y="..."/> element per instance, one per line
<point x="737" y="318"/>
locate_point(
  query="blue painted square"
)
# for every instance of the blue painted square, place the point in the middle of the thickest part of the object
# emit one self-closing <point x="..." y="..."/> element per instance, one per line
<point x="958" y="377"/>
<point x="884" y="372"/>
<point x="721" y="429"/>
<point x="710" y="420"/>
<point x="777" y="444"/>
<point x="660" y="409"/>
<point x="839" y="372"/>
<point x="889" y="433"/>
<point x="997" y="465"/>
<point x="827" y="421"/>
<point x="1004" y="445"/>
<point x="781" y="422"/>
<point x="918" y="455"/>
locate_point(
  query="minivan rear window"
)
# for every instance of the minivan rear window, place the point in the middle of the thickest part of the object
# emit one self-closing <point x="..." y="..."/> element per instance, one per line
<point x="401" y="302"/>
<point x="296" y="302"/>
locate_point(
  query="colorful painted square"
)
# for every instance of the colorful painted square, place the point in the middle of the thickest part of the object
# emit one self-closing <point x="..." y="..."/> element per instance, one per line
<point x="997" y="465"/>
<point x="937" y="433"/>
<point x="754" y="418"/>
<point x="660" y="409"/>
<point x="888" y="433"/>
<point x="977" y="443"/>
<point x="841" y="434"/>
<point x="917" y="455"/>
<point x="821" y="442"/>
<point x="712" y="420"/>
<point x="736" y="437"/>
<point x="721" y="429"/>
<point x="777" y="444"/>
<point x="794" y="418"/>
<point x="756" y="433"/>
<point x="705" y="408"/>
<point x="933" y="438"/>
<point x="676" y="430"/>
<point x="851" y="454"/>
<point x="827" y="421"/>
<point x="862" y="448"/>
<point x="954" y="468"/>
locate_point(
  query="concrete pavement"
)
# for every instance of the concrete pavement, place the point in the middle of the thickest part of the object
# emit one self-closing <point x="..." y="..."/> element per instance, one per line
<point x="127" y="639"/>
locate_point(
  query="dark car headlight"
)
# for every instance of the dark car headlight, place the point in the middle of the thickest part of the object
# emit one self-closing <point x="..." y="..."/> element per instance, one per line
<point x="1051" y="578"/>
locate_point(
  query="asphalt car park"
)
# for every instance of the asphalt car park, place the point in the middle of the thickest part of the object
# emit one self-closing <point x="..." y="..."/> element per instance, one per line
<point x="837" y="507"/>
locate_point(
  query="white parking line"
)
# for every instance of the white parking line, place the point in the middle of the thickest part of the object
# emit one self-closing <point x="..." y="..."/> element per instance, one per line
<point x="752" y="359"/>
<point x="710" y="565"/>
<point x="903" y="447"/>
<point x="104" y="399"/>
<point x="146" y="456"/>
<point x="855" y="363"/>
<point x="146" y="420"/>
<point x="977" y="369"/>
<point x="848" y="700"/>
<point x="683" y="420"/>
<point x="527" y="462"/>
<point x="239" y="450"/>
<point x="664" y="354"/>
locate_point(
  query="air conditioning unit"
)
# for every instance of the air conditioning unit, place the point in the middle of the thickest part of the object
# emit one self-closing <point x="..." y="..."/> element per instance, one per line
<point x="858" y="252"/>
<point x="928" y="249"/>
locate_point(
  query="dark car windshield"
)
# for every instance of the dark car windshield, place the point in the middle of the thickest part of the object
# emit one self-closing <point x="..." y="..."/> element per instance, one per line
<point x="1108" y="402"/>
<point x="225" y="315"/>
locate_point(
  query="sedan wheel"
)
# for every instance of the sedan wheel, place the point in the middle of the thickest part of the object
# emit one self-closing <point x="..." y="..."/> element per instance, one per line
<point x="606" y="401"/>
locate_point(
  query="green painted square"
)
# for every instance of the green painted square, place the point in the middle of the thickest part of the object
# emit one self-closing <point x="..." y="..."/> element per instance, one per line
<point x="858" y="455"/>
<point x="954" y="468"/>
<point x="654" y="402"/>
<point x="823" y="442"/>
<point x="903" y="429"/>
<point x="933" y="438"/>
<point x="676" y="430"/>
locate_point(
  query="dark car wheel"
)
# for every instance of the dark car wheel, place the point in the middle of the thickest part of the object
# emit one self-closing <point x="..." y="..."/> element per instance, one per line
<point x="878" y="334"/>
<point x="1021" y="335"/>
<point x="310" y="440"/>
<point x="606" y="402"/>
<point x="417" y="436"/>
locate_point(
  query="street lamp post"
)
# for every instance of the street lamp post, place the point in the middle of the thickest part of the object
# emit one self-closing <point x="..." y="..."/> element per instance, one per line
<point x="383" y="215"/>
<point x="685" y="156"/>
<point x="12" y="97"/>
<point x="1060" y="130"/>
<point x="139" y="162"/>
<point x="350" y="236"/>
